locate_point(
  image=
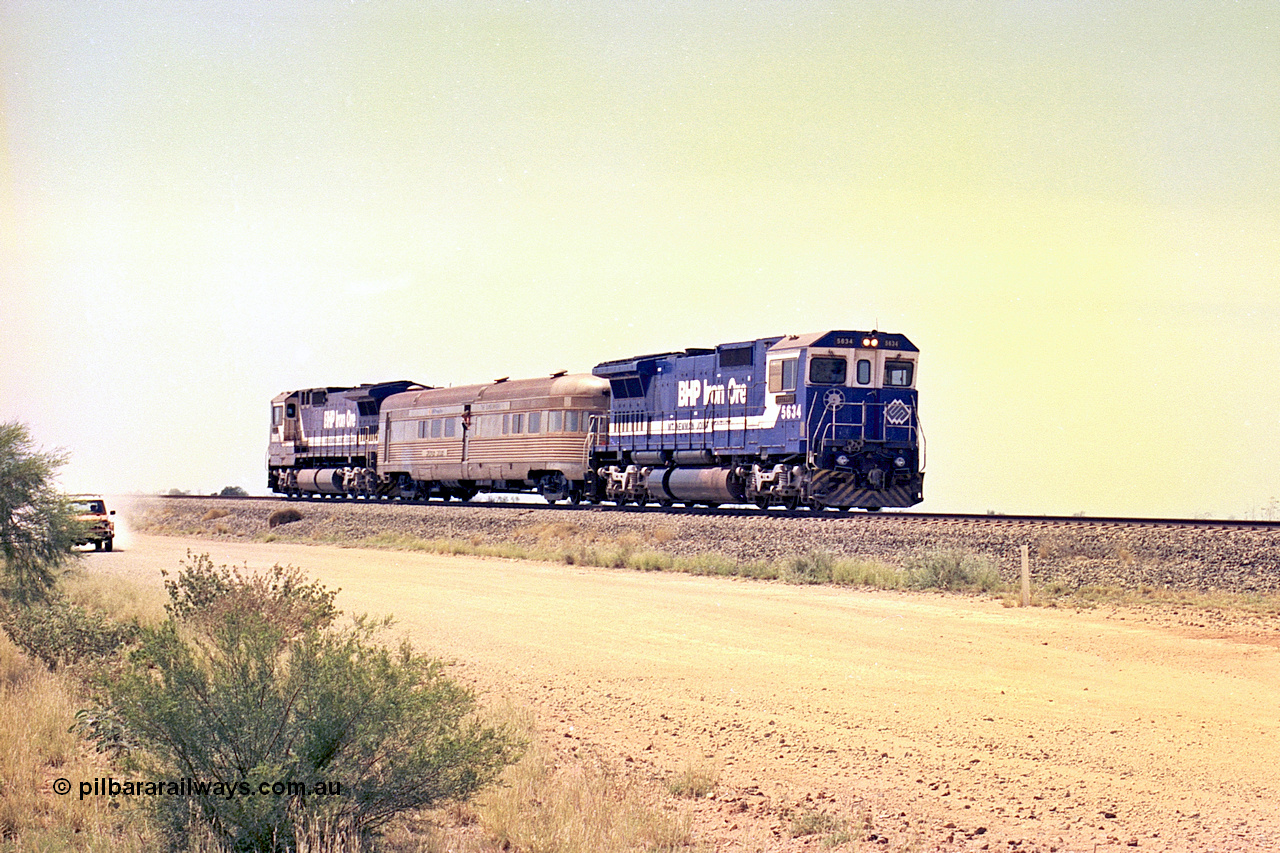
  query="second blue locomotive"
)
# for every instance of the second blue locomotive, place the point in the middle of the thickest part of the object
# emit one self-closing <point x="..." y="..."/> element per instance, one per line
<point x="822" y="420"/>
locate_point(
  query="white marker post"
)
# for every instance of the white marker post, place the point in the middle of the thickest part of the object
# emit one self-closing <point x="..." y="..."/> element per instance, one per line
<point x="1026" y="576"/>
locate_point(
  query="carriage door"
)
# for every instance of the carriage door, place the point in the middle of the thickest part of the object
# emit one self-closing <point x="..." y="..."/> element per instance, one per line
<point x="466" y="430"/>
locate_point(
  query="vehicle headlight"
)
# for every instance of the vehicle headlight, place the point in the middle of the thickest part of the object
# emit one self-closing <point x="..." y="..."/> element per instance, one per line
<point x="900" y="462"/>
<point x="842" y="461"/>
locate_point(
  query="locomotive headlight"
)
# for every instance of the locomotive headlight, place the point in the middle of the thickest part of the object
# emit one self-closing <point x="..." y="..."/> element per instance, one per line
<point x="842" y="461"/>
<point x="900" y="462"/>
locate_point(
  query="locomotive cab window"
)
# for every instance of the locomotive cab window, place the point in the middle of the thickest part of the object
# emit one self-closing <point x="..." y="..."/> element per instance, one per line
<point x="827" y="371"/>
<point x="782" y="375"/>
<point x="864" y="371"/>
<point x="898" y="374"/>
<point x="277" y="415"/>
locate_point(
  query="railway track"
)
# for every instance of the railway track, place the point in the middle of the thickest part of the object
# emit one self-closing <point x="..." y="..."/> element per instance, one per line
<point x="1076" y="522"/>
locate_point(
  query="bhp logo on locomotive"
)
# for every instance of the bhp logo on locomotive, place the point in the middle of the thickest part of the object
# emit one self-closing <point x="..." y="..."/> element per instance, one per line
<point x="690" y="391"/>
<point x="333" y="419"/>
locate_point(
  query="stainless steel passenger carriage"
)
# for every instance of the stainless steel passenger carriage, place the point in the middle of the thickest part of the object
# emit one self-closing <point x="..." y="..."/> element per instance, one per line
<point x="507" y="436"/>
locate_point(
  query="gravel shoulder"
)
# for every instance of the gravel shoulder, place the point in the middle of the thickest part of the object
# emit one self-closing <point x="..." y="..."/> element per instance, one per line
<point x="920" y="721"/>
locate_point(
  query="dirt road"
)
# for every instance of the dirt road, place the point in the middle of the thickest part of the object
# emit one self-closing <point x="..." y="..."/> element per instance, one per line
<point x="925" y="721"/>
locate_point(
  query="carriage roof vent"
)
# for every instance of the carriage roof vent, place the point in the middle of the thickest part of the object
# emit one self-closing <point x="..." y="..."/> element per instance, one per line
<point x="558" y="374"/>
<point x="499" y="381"/>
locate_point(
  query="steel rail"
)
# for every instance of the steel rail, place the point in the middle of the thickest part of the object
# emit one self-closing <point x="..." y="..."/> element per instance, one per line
<point x="799" y="514"/>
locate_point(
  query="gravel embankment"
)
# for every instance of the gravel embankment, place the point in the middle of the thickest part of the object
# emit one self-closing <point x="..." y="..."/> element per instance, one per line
<point x="1240" y="561"/>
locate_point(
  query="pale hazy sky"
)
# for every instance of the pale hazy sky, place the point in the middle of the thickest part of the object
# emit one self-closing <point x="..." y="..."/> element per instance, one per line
<point x="1072" y="208"/>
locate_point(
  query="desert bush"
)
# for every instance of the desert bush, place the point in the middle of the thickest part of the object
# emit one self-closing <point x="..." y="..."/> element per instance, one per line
<point x="249" y="682"/>
<point x="287" y="515"/>
<point x="37" y="525"/>
<point x="214" y="514"/>
<point x="872" y="573"/>
<point x="811" y="567"/>
<point x="59" y="633"/>
<point x="953" y="570"/>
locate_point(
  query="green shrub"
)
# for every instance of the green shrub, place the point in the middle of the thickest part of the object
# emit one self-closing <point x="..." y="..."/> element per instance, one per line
<point x="953" y="570"/>
<point x="37" y="525"/>
<point x="61" y="634"/>
<point x="872" y="573"/>
<point x="250" y="683"/>
<point x="812" y="567"/>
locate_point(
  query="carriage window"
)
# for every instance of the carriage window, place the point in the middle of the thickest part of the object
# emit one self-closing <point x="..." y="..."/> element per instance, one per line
<point x="535" y="422"/>
<point x="555" y="421"/>
<point x="450" y="427"/>
<point x="436" y="427"/>
<point x="782" y="375"/>
<point x="864" y="371"/>
<point x="827" y="371"/>
<point x="571" y="422"/>
<point x="898" y="373"/>
<point x="517" y="424"/>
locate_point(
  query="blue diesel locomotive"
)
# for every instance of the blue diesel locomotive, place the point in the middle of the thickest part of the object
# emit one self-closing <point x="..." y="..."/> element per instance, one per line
<point x="821" y="420"/>
<point x="324" y="441"/>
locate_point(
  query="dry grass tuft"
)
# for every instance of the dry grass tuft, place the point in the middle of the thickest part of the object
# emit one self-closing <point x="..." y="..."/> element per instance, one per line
<point x="38" y="747"/>
<point x="584" y="805"/>
<point x="283" y="516"/>
<point x="122" y="602"/>
<point x="694" y="780"/>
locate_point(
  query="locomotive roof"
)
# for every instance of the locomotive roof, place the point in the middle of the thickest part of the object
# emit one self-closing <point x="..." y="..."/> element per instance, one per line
<point x="366" y="391"/>
<point x="845" y="339"/>
<point x="645" y="364"/>
<point x="561" y="385"/>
